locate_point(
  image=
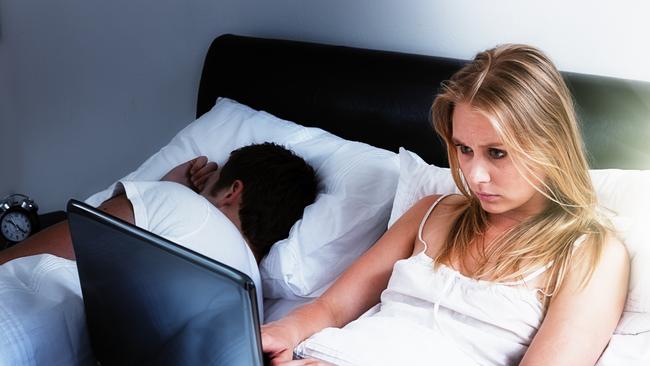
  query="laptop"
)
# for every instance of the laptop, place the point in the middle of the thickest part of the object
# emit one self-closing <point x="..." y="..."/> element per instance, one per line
<point x="150" y="301"/>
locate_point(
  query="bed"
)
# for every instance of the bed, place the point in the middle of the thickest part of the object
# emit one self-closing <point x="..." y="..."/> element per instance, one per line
<point x="379" y="98"/>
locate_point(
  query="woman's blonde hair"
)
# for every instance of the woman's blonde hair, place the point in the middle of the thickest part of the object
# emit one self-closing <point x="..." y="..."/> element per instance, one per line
<point x="530" y="107"/>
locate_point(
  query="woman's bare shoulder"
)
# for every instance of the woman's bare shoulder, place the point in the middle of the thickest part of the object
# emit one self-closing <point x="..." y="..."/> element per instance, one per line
<point x="449" y="204"/>
<point x="614" y="245"/>
<point x="413" y="216"/>
<point x="613" y="263"/>
<point x="450" y="200"/>
<point x="439" y="221"/>
<point x="615" y="253"/>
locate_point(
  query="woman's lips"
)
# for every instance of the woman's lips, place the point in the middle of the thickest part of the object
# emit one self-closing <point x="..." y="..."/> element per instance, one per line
<point x="487" y="197"/>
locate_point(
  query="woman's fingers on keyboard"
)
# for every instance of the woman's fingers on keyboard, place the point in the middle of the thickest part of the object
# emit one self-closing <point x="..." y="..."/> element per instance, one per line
<point x="304" y="362"/>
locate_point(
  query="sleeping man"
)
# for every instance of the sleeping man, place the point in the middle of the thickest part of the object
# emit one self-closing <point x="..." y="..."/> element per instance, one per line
<point x="258" y="194"/>
<point x="232" y="213"/>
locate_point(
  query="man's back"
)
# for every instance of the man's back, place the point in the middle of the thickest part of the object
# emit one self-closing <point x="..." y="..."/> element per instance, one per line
<point x="178" y="214"/>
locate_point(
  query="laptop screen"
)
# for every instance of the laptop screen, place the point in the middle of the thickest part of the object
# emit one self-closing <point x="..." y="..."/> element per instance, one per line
<point x="150" y="301"/>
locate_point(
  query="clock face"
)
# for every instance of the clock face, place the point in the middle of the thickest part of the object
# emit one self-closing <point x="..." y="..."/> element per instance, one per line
<point x="15" y="226"/>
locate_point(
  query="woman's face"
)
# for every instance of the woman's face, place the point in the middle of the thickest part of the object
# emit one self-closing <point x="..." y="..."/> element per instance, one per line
<point x="488" y="168"/>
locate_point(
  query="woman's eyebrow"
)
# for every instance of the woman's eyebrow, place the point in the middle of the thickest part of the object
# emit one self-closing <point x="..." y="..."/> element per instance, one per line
<point x="491" y="144"/>
<point x="456" y="141"/>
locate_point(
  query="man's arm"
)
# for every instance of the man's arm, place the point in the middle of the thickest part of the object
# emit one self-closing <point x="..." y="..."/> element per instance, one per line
<point x="193" y="173"/>
<point x="56" y="238"/>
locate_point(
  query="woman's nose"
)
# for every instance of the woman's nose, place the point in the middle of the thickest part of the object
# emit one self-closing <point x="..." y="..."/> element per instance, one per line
<point x="479" y="173"/>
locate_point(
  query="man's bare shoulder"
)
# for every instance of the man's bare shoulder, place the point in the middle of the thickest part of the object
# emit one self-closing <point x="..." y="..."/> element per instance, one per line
<point x="120" y="207"/>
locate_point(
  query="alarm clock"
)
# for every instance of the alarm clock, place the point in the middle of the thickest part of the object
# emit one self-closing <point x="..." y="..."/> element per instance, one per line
<point x="18" y="218"/>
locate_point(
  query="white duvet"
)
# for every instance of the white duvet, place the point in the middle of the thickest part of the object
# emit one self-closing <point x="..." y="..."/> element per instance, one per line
<point x="42" y="320"/>
<point x="41" y="313"/>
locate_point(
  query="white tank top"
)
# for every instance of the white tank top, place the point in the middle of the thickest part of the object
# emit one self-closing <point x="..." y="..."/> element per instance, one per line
<point x="430" y="316"/>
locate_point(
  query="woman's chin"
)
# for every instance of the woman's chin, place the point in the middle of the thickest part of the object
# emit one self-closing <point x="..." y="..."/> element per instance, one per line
<point x="493" y="207"/>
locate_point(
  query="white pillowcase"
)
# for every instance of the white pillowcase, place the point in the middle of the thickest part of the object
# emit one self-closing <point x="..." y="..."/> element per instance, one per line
<point x="358" y="182"/>
<point x="624" y="192"/>
<point x="418" y="179"/>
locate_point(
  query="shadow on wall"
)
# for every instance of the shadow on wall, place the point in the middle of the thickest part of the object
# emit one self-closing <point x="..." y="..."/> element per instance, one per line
<point x="1" y="22"/>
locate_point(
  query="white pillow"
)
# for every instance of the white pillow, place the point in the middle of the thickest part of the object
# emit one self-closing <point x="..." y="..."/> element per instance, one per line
<point x="358" y="182"/>
<point x="624" y="192"/>
<point x="418" y="179"/>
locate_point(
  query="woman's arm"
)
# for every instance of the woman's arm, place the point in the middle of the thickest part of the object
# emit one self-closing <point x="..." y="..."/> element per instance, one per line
<point x="580" y="320"/>
<point x="354" y="292"/>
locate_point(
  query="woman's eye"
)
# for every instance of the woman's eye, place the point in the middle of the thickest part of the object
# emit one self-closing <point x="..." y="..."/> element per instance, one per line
<point x="464" y="149"/>
<point x="496" y="153"/>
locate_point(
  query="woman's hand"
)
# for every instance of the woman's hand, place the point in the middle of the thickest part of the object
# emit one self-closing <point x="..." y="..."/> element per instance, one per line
<point x="278" y="343"/>
<point x="304" y="362"/>
<point x="192" y="174"/>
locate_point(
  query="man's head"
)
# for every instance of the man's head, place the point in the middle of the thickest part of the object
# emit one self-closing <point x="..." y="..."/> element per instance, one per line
<point x="270" y="186"/>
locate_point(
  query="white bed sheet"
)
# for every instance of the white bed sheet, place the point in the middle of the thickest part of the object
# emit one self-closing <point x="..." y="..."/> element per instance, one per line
<point x="41" y="313"/>
<point x="628" y="350"/>
<point x="42" y="320"/>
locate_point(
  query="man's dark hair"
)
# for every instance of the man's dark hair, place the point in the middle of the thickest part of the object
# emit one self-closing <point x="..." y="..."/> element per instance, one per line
<point x="278" y="185"/>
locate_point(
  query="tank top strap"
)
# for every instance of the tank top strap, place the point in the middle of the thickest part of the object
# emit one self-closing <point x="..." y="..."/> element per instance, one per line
<point x="531" y="276"/>
<point x="538" y="272"/>
<point x="424" y="220"/>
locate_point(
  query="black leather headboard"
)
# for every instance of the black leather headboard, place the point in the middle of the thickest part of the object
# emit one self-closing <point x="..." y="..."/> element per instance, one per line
<point x="383" y="98"/>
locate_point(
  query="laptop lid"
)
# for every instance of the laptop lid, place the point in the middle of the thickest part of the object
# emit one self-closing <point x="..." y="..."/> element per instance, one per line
<point x="150" y="301"/>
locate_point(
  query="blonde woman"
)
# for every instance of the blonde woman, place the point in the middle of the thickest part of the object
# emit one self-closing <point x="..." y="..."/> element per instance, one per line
<point x="519" y="269"/>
